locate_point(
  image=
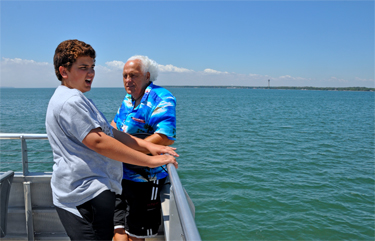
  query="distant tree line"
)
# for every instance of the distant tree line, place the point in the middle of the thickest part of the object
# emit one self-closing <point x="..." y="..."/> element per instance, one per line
<point x="282" y="88"/>
<point x="326" y="88"/>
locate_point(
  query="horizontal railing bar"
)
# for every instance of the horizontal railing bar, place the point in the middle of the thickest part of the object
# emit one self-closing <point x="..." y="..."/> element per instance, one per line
<point x="29" y="151"/>
<point x="27" y="162"/>
<point x="186" y="217"/>
<point x="22" y="136"/>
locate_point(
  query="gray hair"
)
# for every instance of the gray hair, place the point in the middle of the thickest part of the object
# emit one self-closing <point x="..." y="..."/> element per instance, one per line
<point x="148" y="65"/>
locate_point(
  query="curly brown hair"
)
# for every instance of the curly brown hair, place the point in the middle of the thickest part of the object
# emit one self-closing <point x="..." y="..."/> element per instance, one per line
<point x="67" y="53"/>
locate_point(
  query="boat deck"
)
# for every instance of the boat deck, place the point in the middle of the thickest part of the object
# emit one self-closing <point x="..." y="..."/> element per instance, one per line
<point x="45" y="223"/>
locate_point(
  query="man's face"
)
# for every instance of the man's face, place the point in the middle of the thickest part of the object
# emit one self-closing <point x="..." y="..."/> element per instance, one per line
<point x="135" y="82"/>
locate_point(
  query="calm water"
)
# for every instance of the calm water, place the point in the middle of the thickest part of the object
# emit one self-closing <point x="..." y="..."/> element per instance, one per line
<point x="258" y="164"/>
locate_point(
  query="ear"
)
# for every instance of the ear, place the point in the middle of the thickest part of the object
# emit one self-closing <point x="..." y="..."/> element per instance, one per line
<point x="63" y="71"/>
<point x="148" y="76"/>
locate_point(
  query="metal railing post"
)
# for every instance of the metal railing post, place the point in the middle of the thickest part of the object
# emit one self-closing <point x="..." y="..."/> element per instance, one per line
<point x="28" y="211"/>
<point x="25" y="161"/>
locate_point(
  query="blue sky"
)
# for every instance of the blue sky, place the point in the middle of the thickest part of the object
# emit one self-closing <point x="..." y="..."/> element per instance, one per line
<point x="235" y="43"/>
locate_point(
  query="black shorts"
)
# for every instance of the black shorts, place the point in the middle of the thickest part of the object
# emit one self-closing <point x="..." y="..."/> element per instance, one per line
<point x="138" y="208"/>
<point x="96" y="222"/>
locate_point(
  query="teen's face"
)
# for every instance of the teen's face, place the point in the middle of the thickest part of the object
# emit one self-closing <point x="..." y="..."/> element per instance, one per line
<point x="135" y="82"/>
<point x="80" y="75"/>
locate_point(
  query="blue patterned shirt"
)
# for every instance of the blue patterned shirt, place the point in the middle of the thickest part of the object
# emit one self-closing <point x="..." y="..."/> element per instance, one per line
<point x="155" y="114"/>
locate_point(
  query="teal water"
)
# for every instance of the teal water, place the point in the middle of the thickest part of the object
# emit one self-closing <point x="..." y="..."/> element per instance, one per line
<point x="258" y="164"/>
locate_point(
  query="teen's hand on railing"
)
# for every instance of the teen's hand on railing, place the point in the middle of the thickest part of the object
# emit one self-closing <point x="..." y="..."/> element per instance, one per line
<point x="163" y="160"/>
<point x="159" y="150"/>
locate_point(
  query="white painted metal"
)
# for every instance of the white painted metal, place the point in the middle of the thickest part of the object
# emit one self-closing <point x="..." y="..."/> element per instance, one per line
<point x="190" y="230"/>
<point x="32" y="216"/>
<point x="28" y="211"/>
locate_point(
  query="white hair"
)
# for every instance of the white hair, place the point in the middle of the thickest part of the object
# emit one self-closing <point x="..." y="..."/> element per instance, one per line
<point x="148" y="65"/>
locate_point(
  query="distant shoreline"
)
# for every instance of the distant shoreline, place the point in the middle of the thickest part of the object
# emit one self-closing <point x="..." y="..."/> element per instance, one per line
<point x="279" y="88"/>
<point x="245" y="87"/>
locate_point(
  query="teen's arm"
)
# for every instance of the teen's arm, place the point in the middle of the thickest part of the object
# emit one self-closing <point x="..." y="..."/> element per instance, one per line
<point x="155" y="138"/>
<point x="115" y="149"/>
<point x="142" y="145"/>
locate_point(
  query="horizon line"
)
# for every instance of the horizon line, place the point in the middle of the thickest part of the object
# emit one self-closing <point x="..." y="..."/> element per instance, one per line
<point x="215" y="86"/>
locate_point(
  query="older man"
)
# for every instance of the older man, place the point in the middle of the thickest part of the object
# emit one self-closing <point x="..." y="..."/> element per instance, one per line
<point x="147" y="110"/>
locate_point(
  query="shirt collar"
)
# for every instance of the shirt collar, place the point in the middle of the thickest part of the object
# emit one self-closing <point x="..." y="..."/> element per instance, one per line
<point x="145" y="95"/>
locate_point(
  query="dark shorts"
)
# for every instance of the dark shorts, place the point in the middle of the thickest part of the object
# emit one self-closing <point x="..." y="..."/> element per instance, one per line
<point x="138" y="208"/>
<point x="97" y="221"/>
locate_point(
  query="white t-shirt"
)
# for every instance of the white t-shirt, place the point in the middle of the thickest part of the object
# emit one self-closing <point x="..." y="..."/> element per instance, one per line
<point x="79" y="173"/>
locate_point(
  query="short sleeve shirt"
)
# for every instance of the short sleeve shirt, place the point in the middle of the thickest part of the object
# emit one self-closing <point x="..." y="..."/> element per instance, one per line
<point x="155" y="114"/>
<point x="79" y="173"/>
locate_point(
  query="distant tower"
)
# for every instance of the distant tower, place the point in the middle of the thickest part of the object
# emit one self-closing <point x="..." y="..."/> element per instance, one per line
<point x="268" y="83"/>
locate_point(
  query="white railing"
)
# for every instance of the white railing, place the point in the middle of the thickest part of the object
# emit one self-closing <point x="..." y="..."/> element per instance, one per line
<point x="189" y="228"/>
<point x="180" y="197"/>
<point x="23" y="138"/>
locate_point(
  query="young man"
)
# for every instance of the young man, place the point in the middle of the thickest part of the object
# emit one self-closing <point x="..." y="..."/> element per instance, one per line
<point x="150" y="110"/>
<point x="87" y="151"/>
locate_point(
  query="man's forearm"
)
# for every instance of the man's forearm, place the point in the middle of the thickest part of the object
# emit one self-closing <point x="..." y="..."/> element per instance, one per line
<point x="155" y="138"/>
<point x="159" y="139"/>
